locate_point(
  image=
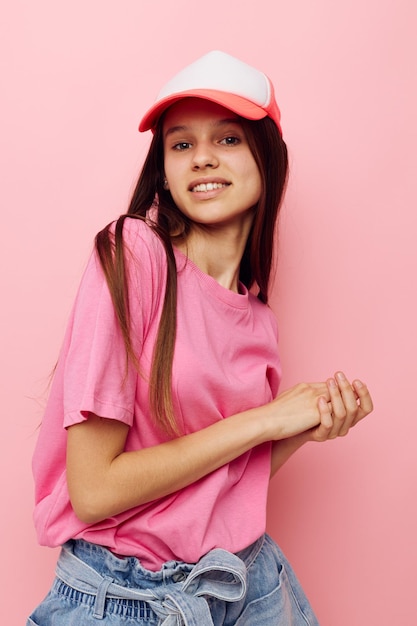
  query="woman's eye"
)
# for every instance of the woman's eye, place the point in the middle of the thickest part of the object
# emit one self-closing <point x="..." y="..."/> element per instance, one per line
<point x="230" y="141"/>
<point x="183" y="145"/>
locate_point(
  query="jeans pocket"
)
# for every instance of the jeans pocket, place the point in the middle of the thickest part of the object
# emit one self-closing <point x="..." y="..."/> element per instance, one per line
<point x="275" y="596"/>
<point x="279" y="607"/>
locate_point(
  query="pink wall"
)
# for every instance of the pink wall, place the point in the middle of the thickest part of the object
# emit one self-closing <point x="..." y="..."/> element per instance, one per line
<point x="75" y="79"/>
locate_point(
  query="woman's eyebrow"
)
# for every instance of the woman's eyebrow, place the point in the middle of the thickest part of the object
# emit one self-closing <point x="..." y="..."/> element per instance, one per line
<point x="175" y="129"/>
<point x="182" y="128"/>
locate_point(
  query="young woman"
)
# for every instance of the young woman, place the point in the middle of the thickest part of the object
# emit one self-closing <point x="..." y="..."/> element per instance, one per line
<point x="164" y="422"/>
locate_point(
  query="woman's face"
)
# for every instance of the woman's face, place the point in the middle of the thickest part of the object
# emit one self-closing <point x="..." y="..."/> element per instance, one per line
<point x="212" y="175"/>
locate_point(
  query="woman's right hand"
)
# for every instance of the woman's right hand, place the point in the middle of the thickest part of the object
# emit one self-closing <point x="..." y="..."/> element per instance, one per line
<point x="328" y="410"/>
<point x="295" y="410"/>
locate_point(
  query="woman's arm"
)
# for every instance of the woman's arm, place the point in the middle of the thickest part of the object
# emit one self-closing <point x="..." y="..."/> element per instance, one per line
<point x="104" y="480"/>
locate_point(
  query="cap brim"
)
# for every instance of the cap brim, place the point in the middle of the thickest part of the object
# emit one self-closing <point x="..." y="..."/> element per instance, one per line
<point x="239" y="105"/>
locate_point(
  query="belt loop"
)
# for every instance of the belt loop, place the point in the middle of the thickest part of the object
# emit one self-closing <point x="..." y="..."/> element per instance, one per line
<point x="100" y="601"/>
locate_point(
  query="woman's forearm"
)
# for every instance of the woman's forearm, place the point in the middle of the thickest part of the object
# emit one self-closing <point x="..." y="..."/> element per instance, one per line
<point x="104" y="480"/>
<point x="283" y="449"/>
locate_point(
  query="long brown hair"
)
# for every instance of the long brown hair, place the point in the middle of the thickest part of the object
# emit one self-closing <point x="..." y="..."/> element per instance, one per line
<point x="270" y="153"/>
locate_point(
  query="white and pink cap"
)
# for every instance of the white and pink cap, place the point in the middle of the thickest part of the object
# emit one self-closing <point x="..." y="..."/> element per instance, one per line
<point x="223" y="79"/>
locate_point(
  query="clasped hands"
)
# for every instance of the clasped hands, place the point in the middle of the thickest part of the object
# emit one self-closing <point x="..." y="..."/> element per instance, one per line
<point x="320" y="411"/>
<point x="344" y="405"/>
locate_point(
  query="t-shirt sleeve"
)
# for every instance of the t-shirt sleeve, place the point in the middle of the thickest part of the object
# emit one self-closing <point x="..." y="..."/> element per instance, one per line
<point x="97" y="375"/>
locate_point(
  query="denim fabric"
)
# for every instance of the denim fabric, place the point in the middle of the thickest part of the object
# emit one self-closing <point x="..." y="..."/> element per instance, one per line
<point x="94" y="587"/>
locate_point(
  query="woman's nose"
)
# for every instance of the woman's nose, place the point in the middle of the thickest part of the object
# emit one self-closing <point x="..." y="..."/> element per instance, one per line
<point x="204" y="156"/>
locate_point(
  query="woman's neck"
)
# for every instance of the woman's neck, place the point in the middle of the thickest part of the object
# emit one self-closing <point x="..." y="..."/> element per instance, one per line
<point x="217" y="254"/>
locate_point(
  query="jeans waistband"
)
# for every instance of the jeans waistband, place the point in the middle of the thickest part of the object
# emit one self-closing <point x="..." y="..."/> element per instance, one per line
<point x="219" y="574"/>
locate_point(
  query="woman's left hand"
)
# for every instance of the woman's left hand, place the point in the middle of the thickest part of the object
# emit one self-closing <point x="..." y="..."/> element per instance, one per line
<point x="349" y="404"/>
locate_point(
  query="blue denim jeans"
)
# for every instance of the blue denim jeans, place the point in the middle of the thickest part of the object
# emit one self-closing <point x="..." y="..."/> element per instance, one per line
<point x="94" y="587"/>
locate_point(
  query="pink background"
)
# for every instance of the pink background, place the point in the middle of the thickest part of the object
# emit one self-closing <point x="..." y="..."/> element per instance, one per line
<point x="75" y="79"/>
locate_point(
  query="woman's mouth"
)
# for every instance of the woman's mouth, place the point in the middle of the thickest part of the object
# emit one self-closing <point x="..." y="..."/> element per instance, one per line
<point x="208" y="187"/>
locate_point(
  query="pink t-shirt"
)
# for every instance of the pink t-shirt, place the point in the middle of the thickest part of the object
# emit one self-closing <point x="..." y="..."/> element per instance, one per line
<point x="225" y="361"/>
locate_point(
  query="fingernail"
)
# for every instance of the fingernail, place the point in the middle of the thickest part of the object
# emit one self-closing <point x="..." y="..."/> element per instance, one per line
<point x="332" y="382"/>
<point x="341" y="376"/>
<point x="358" y="384"/>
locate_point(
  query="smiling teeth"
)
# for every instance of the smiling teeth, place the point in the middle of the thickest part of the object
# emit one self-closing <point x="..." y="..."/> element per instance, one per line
<point x="208" y="186"/>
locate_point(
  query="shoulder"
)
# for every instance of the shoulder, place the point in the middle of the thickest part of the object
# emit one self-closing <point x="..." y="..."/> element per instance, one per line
<point x="145" y="259"/>
<point x="142" y="247"/>
<point x="138" y="232"/>
<point x="264" y="312"/>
